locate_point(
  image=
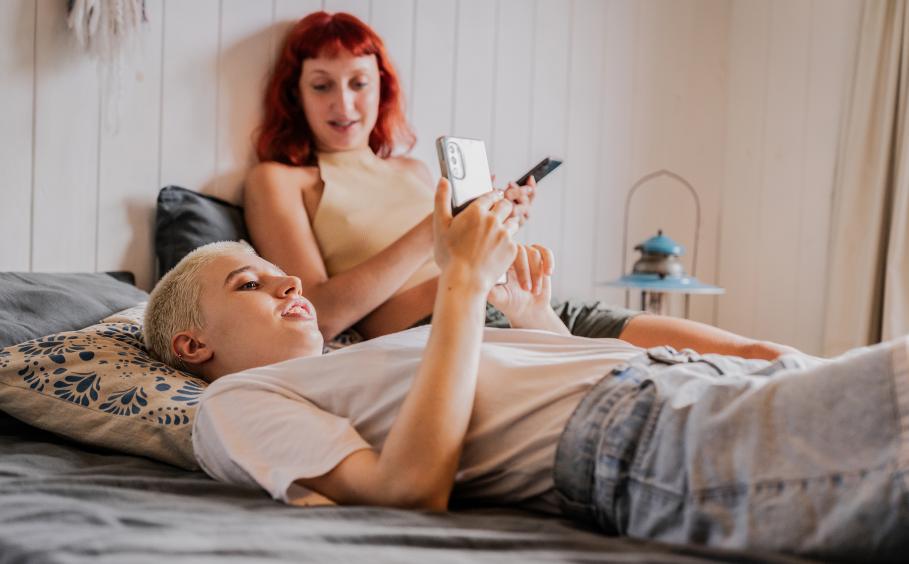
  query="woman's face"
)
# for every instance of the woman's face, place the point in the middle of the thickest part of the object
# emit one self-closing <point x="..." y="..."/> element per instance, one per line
<point x="340" y="99"/>
<point x="254" y="315"/>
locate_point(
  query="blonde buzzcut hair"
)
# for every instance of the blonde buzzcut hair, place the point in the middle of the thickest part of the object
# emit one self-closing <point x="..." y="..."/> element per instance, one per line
<point x="174" y="302"/>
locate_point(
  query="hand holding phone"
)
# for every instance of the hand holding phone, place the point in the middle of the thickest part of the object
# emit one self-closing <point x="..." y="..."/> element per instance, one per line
<point x="463" y="162"/>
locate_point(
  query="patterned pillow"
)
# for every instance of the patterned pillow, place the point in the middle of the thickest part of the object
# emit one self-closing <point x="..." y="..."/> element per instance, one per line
<point x="99" y="386"/>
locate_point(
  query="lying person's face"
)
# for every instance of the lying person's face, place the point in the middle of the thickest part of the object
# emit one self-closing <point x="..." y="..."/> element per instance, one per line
<point x="340" y="99"/>
<point x="253" y="315"/>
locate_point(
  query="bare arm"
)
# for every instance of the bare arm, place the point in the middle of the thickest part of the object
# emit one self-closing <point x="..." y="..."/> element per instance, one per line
<point x="420" y="457"/>
<point x="655" y="330"/>
<point x="281" y="231"/>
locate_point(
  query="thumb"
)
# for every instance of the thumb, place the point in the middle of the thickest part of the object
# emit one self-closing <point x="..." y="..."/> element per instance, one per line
<point x="442" y="216"/>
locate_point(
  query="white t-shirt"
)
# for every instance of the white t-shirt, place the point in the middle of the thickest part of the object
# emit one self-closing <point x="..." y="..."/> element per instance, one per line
<point x="269" y="426"/>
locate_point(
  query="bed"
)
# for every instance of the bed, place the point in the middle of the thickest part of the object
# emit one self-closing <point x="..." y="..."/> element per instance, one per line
<point x="64" y="502"/>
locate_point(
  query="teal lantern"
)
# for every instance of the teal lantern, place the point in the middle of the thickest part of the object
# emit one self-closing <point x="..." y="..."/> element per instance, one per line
<point x="659" y="272"/>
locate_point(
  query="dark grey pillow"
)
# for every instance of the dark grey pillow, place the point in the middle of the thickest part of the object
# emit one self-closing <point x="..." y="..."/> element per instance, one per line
<point x="34" y="304"/>
<point x="186" y="220"/>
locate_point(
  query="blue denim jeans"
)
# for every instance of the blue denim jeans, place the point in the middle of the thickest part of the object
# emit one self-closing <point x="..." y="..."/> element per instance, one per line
<point x="801" y="455"/>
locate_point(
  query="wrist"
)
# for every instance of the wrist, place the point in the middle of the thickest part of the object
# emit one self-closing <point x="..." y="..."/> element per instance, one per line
<point x="539" y="317"/>
<point x="462" y="278"/>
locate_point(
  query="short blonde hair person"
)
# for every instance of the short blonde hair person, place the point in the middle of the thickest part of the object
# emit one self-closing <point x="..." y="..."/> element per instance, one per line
<point x="174" y="302"/>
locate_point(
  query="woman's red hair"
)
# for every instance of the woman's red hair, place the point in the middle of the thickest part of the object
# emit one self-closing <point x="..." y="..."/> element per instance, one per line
<point x="285" y="135"/>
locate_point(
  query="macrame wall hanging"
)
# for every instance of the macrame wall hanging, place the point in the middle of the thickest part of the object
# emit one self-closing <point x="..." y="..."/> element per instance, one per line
<point x="109" y="31"/>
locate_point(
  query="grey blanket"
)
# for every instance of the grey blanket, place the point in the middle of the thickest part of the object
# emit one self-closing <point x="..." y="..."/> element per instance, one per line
<point x="61" y="502"/>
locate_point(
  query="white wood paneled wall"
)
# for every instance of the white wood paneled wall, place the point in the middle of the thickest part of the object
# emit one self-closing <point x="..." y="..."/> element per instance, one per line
<point x="742" y="98"/>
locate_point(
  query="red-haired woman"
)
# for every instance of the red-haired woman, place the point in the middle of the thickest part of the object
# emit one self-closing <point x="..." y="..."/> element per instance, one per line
<point x="330" y="202"/>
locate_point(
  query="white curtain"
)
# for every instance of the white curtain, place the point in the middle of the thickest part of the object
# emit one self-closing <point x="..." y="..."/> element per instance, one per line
<point x="868" y="285"/>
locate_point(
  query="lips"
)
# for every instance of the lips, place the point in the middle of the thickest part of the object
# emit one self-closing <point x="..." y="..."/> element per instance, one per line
<point x="342" y="123"/>
<point x="298" y="309"/>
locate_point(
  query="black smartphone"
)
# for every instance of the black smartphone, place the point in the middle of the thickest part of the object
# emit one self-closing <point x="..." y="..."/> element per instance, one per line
<point x="540" y="171"/>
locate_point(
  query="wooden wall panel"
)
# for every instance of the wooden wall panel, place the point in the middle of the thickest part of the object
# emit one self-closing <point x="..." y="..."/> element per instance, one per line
<point x="359" y="8"/>
<point x="65" y="224"/>
<point x="784" y="146"/>
<point x="243" y="66"/>
<point x="129" y="152"/>
<point x="509" y="153"/>
<point x="393" y="21"/>
<point x="285" y="14"/>
<point x="472" y="105"/>
<point x="581" y="180"/>
<point x="17" y="67"/>
<point x="741" y="97"/>
<point x="616" y="173"/>
<point x="189" y="93"/>
<point x="745" y="131"/>
<point x="699" y="135"/>
<point x="548" y="121"/>
<point x="433" y="51"/>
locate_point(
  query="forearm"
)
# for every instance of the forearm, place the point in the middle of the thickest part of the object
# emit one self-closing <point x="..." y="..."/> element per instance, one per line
<point x="421" y="454"/>
<point x="656" y="330"/>
<point x="347" y="297"/>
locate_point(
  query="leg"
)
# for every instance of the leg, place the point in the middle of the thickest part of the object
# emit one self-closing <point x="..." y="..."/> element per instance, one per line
<point x="810" y="460"/>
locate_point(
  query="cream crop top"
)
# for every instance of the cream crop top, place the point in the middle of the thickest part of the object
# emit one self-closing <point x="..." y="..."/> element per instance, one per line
<point x="367" y="203"/>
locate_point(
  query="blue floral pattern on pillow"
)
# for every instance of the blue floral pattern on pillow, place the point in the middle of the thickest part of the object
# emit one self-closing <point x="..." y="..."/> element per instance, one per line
<point x="89" y="367"/>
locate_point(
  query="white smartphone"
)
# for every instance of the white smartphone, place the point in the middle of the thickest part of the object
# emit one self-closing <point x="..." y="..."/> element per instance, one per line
<point x="463" y="162"/>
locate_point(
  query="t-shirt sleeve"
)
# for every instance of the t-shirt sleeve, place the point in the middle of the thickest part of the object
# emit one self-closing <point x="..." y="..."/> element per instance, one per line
<point x="257" y="437"/>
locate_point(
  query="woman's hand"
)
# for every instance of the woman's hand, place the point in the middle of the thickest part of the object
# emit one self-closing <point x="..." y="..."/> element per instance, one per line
<point x="478" y="242"/>
<point x="525" y="298"/>
<point x="522" y="198"/>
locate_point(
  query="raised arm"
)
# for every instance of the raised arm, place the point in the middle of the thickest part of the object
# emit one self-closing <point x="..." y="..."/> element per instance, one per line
<point x="418" y="462"/>
<point x="281" y="232"/>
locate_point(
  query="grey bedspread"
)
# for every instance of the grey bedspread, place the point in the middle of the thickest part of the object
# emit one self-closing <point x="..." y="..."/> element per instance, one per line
<point x="60" y="502"/>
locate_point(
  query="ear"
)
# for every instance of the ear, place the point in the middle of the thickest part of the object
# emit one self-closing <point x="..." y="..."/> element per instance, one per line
<point x="190" y="349"/>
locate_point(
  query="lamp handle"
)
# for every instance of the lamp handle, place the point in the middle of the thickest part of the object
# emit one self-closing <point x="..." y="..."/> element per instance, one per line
<point x="697" y="221"/>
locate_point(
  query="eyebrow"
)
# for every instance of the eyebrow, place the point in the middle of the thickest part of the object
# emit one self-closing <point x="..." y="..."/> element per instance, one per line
<point x="242" y="269"/>
<point x="236" y="272"/>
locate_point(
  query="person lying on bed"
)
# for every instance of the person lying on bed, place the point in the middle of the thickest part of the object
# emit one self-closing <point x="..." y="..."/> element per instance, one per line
<point x="330" y="203"/>
<point x="802" y="454"/>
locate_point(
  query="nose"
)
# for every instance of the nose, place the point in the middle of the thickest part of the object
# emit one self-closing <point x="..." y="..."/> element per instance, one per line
<point x="344" y="100"/>
<point x="290" y="285"/>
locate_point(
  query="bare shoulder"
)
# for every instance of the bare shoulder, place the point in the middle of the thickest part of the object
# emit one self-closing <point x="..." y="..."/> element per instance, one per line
<point x="414" y="166"/>
<point x="274" y="175"/>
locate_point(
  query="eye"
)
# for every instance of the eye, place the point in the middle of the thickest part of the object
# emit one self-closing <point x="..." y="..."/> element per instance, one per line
<point x="322" y="87"/>
<point x="251" y="285"/>
<point x="359" y="84"/>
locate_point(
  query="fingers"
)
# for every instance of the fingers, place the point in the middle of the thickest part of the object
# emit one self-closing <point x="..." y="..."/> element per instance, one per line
<point x="540" y="264"/>
<point x="548" y="258"/>
<point x="531" y="187"/>
<point x="535" y="262"/>
<point x="502" y="209"/>
<point x="522" y="269"/>
<point x="512" y="224"/>
<point x="488" y="200"/>
<point x="442" y="215"/>
<point x="517" y="194"/>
